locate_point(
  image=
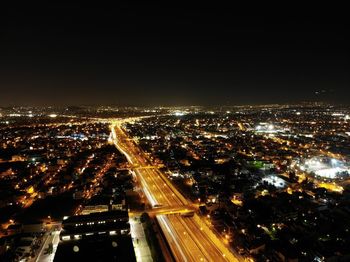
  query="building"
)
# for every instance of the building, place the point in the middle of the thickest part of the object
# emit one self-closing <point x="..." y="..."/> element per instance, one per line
<point x="102" y="236"/>
<point x="115" y="222"/>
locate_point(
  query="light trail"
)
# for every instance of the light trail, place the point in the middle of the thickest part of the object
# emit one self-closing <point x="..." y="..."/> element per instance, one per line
<point x="189" y="238"/>
<point x="164" y="223"/>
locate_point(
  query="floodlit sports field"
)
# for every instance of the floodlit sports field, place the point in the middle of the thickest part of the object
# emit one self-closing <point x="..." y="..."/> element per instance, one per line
<point x="325" y="167"/>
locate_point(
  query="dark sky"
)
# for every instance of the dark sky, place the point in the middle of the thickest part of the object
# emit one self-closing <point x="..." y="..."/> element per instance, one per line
<point x="148" y="54"/>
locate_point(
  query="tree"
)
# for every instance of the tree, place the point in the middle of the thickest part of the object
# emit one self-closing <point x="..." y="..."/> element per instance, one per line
<point x="144" y="217"/>
<point x="50" y="248"/>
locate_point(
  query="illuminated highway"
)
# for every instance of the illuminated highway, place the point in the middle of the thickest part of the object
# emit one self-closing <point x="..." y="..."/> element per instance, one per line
<point x="189" y="238"/>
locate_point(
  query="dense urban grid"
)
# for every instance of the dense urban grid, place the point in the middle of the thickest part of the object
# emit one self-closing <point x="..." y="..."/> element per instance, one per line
<point x="244" y="183"/>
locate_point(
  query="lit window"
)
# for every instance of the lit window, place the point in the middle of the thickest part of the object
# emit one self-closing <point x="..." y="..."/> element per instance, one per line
<point x="65" y="237"/>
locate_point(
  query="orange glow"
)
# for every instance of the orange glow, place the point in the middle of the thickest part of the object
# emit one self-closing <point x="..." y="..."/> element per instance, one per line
<point x="331" y="187"/>
<point x="30" y="190"/>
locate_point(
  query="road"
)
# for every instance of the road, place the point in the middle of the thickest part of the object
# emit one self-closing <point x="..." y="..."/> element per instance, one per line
<point x="189" y="237"/>
<point x="54" y="238"/>
<point x="141" y="248"/>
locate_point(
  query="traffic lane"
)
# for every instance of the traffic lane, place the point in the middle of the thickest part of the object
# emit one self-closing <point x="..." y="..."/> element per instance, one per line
<point x="215" y="253"/>
<point x="166" y="193"/>
<point x="171" y="238"/>
<point x="154" y="187"/>
<point x="188" y="240"/>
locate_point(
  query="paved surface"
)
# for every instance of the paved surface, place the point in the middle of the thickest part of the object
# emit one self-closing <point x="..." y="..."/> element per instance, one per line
<point x="54" y="238"/>
<point x="142" y="250"/>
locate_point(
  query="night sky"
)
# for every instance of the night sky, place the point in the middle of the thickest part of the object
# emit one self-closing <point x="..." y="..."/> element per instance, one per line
<point x="148" y="54"/>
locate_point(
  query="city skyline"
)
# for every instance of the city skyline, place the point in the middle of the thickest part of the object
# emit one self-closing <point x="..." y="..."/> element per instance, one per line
<point x="249" y="183"/>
